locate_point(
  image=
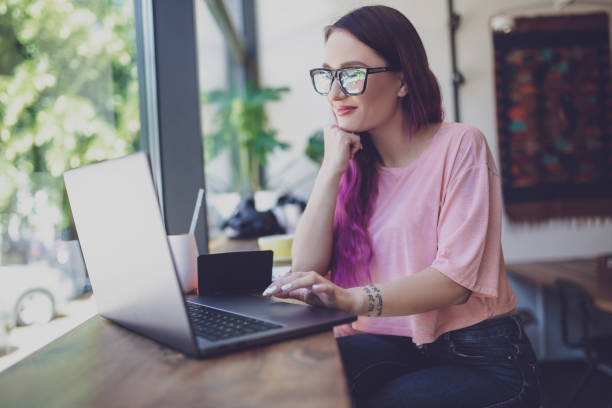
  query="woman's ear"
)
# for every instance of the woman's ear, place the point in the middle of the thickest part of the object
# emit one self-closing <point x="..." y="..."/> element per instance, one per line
<point x="403" y="90"/>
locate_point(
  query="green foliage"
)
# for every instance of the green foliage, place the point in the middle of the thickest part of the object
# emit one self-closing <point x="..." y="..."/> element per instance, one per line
<point x="315" y="147"/>
<point x="241" y="121"/>
<point x="68" y="95"/>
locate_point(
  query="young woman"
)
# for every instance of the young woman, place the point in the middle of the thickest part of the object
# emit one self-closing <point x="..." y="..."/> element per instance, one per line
<point x="406" y="213"/>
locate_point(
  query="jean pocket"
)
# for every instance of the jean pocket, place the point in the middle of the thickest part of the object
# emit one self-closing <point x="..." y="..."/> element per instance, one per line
<point x="496" y="348"/>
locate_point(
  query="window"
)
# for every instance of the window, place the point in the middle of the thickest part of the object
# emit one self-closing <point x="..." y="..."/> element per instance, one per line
<point x="220" y="154"/>
<point x="68" y="97"/>
<point x="239" y="138"/>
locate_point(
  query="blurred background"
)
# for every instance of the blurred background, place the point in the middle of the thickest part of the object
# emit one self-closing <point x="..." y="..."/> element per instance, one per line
<point x="72" y="93"/>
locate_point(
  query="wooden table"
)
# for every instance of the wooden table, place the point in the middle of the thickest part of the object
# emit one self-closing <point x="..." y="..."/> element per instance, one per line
<point x="99" y="364"/>
<point x="535" y="282"/>
<point x="581" y="271"/>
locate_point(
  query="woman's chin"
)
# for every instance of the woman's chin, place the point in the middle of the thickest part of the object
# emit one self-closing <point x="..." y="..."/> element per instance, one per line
<point x="350" y="126"/>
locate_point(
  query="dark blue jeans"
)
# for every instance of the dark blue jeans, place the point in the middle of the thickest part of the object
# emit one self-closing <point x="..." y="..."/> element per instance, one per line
<point x="489" y="364"/>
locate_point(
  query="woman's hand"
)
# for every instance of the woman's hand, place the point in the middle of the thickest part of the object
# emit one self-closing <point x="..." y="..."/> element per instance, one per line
<point x="312" y="288"/>
<point x="339" y="148"/>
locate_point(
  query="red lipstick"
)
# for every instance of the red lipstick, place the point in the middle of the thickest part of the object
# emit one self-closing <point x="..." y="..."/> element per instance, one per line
<point x="345" y="110"/>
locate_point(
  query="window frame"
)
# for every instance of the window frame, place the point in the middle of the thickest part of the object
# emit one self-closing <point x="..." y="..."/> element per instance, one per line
<point x="170" y="110"/>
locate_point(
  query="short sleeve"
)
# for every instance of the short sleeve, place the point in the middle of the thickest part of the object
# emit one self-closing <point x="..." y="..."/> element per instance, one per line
<point x="469" y="229"/>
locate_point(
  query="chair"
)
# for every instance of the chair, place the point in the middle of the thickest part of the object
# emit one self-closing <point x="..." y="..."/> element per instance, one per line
<point x="577" y="305"/>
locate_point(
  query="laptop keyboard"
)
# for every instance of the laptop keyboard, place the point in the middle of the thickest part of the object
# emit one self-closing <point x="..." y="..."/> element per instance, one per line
<point x="215" y="325"/>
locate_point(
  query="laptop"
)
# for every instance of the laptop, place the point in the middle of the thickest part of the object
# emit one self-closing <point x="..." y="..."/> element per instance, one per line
<point x="133" y="276"/>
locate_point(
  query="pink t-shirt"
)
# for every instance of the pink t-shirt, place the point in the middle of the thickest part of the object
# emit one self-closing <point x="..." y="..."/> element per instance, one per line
<point x="443" y="210"/>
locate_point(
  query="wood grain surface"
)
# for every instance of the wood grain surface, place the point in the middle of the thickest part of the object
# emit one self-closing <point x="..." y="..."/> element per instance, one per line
<point x="99" y="364"/>
<point x="581" y="271"/>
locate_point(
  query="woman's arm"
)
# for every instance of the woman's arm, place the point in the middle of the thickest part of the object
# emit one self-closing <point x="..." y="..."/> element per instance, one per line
<point x="313" y="239"/>
<point x="312" y="242"/>
<point x="422" y="292"/>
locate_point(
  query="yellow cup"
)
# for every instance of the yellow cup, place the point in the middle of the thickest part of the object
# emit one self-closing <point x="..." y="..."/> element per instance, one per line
<point x="280" y="246"/>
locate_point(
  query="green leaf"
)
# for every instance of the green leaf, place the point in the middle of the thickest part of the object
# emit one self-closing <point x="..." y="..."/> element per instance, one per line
<point x="315" y="147"/>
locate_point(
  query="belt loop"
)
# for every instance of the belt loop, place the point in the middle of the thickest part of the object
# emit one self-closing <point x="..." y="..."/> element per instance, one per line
<point x="422" y="348"/>
<point x="450" y="341"/>
<point x="517" y="320"/>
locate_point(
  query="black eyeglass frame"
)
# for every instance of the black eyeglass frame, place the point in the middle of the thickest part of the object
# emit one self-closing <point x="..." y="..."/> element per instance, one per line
<point x="334" y="74"/>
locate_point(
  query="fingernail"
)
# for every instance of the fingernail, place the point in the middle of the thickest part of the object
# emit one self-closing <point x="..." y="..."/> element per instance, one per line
<point x="286" y="287"/>
<point x="270" y="290"/>
<point x="315" y="287"/>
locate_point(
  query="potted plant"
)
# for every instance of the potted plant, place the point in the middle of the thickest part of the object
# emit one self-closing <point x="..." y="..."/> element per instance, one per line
<point x="241" y="124"/>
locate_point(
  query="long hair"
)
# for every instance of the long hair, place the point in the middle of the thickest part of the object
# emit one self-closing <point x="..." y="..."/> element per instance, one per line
<point x="393" y="37"/>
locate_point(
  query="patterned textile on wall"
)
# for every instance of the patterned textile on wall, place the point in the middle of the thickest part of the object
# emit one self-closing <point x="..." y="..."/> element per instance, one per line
<point x="554" y="117"/>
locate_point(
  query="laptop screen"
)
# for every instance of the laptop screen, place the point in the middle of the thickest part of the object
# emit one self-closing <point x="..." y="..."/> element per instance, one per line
<point x="125" y="247"/>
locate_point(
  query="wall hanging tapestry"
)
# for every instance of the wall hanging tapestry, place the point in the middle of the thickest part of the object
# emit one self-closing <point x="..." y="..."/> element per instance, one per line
<point x="554" y="117"/>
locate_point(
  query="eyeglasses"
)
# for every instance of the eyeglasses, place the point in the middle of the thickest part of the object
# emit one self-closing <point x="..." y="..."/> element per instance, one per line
<point x="352" y="80"/>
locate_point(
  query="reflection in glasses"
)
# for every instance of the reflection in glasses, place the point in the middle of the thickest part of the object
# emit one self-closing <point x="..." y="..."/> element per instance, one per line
<point x="352" y="80"/>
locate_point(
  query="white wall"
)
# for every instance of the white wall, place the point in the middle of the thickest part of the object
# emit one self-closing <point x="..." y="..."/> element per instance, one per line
<point x="291" y="42"/>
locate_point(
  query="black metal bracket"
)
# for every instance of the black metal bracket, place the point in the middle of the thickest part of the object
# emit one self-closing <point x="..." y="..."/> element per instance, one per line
<point x="457" y="77"/>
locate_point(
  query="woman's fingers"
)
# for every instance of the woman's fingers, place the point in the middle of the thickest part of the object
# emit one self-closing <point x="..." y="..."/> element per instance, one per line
<point x="339" y="147"/>
<point x="355" y="148"/>
<point x="324" y="294"/>
<point x="354" y="142"/>
<point x="290" y="282"/>
<point x="301" y="282"/>
<point x="323" y="288"/>
<point x="351" y="139"/>
<point x="309" y="287"/>
<point x="299" y="294"/>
